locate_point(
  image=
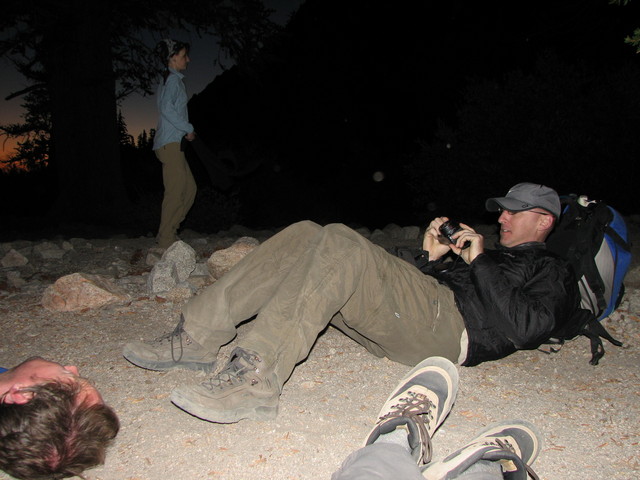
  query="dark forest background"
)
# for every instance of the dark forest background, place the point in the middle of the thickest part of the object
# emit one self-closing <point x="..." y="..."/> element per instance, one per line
<point x="369" y="113"/>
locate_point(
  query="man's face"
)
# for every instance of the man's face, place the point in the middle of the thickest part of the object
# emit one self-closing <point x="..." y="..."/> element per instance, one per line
<point x="517" y="228"/>
<point x="37" y="371"/>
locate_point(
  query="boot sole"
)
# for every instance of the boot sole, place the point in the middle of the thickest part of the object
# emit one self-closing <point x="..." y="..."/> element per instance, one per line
<point x="260" y="413"/>
<point x="206" y="367"/>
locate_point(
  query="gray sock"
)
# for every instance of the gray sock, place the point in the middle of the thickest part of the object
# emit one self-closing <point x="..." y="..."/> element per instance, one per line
<point x="398" y="437"/>
<point x="482" y="469"/>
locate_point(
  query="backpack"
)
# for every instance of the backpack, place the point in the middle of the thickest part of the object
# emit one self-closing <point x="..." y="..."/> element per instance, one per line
<point x="592" y="236"/>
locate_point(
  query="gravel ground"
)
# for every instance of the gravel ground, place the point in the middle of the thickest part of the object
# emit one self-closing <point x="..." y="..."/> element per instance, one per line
<point x="588" y="415"/>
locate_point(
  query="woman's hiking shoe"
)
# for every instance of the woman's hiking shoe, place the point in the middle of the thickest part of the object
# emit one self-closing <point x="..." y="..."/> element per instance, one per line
<point x="242" y="390"/>
<point x="419" y="404"/>
<point x="172" y="350"/>
<point x="514" y="444"/>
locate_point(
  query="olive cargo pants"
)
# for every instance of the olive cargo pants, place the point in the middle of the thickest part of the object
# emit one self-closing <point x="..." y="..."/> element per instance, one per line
<point x="179" y="192"/>
<point x="308" y="276"/>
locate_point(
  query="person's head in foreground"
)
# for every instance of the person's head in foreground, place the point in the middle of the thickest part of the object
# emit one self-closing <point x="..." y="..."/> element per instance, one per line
<point x="528" y="213"/>
<point x="53" y="423"/>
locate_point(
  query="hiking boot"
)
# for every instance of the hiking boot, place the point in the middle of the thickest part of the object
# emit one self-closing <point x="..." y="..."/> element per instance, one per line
<point x="419" y="404"/>
<point x="172" y="350"/>
<point x="514" y="444"/>
<point x="244" y="389"/>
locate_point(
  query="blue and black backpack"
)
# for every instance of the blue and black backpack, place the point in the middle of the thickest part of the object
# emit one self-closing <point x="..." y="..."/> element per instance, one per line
<point x="592" y="236"/>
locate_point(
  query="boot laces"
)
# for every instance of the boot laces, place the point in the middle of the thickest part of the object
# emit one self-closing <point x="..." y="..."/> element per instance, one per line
<point x="234" y="373"/>
<point x="177" y="338"/>
<point x="417" y="407"/>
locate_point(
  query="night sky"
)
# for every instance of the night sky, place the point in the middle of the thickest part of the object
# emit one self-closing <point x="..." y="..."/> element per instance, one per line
<point x="367" y="113"/>
<point x="140" y="112"/>
<point x="450" y="102"/>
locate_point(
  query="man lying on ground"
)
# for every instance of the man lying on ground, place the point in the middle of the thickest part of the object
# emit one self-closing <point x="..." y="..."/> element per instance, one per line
<point x="483" y="305"/>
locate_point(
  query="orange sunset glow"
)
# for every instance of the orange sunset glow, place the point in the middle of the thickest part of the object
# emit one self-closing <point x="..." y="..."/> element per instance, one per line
<point x="7" y="147"/>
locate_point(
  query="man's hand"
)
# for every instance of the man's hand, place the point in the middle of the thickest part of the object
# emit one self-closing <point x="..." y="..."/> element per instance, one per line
<point x="437" y="249"/>
<point x="476" y="243"/>
<point x="430" y="242"/>
<point x="190" y="136"/>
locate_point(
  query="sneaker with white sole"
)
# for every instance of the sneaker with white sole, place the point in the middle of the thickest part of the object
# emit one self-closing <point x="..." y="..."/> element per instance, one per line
<point x="419" y="404"/>
<point x="244" y="389"/>
<point x="175" y="349"/>
<point x="514" y="444"/>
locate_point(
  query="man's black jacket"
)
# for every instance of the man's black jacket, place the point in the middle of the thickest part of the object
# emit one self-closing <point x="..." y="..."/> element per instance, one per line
<point x="511" y="299"/>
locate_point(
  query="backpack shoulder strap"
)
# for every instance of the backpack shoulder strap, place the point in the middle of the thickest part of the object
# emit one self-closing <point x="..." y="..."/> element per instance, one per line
<point x="594" y="330"/>
<point x="591" y="222"/>
<point x="586" y="324"/>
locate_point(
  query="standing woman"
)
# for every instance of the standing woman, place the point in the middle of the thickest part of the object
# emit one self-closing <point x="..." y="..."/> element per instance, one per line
<point x="173" y="124"/>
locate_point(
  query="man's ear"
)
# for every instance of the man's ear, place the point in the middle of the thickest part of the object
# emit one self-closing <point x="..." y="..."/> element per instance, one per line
<point x="546" y="223"/>
<point x="17" y="395"/>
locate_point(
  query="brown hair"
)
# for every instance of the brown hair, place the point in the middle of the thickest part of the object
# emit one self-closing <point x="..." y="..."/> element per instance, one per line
<point x="167" y="48"/>
<point x="53" y="437"/>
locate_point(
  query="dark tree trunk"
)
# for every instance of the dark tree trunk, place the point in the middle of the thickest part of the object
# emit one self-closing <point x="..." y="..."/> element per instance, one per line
<point x="84" y="133"/>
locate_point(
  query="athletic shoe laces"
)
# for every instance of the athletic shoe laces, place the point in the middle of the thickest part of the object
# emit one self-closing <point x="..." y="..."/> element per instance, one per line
<point x="506" y="445"/>
<point x="417" y="407"/>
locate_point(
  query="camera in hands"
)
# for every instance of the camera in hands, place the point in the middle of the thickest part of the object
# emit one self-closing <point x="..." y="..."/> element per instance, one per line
<point x="448" y="229"/>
